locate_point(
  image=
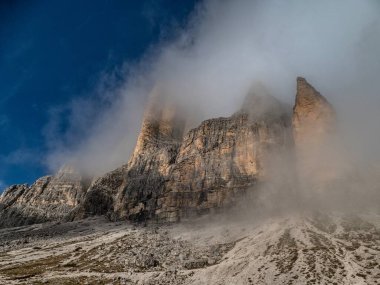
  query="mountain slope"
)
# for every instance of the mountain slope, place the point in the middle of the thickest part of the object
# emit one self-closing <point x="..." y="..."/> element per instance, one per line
<point x="286" y="249"/>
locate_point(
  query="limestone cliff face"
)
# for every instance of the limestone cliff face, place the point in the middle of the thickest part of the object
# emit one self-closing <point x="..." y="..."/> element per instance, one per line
<point x="150" y="166"/>
<point x="223" y="158"/>
<point x="173" y="175"/>
<point x="314" y="126"/>
<point x="131" y="191"/>
<point x="49" y="198"/>
<point x="313" y="116"/>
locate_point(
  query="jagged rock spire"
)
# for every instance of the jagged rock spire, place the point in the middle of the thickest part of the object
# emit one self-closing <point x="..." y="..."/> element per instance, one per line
<point x="162" y="123"/>
<point x="313" y="116"/>
<point x="314" y="127"/>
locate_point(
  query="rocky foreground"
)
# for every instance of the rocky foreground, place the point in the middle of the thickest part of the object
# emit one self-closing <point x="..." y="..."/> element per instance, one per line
<point x="307" y="249"/>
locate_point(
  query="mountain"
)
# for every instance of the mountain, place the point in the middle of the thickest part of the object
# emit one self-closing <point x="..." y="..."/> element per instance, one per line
<point x="49" y="198"/>
<point x="313" y="118"/>
<point x="175" y="174"/>
<point x="277" y="206"/>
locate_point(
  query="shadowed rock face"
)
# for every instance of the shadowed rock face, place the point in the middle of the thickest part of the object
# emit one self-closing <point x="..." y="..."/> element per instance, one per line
<point x="49" y="198"/>
<point x="151" y="163"/>
<point x="172" y="175"/>
<point x="131" y="191"/>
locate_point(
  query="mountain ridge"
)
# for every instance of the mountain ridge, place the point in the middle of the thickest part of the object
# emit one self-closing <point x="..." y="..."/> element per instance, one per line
<point x="173" y="175"/>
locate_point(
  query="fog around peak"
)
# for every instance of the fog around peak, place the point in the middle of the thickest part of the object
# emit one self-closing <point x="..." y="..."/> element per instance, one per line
<point x="210" y="66"/>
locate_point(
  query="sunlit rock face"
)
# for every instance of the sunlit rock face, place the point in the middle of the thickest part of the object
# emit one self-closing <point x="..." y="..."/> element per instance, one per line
<point x="171" y="175"/>
<point x="313" y="116"/>
<point x="49" y="198"/>
<point x="223" y="158"/>
<point x="174" y="174"/>
<point x="314" y="130"/>
<point x="151" y="163"/>
<point x="131" y="191"/>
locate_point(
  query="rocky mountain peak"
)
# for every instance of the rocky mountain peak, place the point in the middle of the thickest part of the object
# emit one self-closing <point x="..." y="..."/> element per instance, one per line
<point x="314" y="127"/>
<point x="162" y="123"/>
<point x="313" y="116"/>
<point x="173" y="173"/>
<point x="49" y="198"/>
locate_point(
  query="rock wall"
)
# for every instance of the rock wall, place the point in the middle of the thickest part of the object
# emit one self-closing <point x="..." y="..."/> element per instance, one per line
<point x="223" y="158"/>
<point x="314" y="126"/>
<point x="49" y="198"/>
<point x="131" y="191"/>
<point x="313" y="116"/>
<point x="172" y="174"/>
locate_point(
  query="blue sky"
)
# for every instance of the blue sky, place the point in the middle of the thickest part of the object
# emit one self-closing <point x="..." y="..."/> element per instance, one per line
<point x="54" y="51"/>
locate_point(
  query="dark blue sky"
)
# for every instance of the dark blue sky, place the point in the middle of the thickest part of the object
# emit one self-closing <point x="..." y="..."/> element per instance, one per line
<point x="54" y="51"/>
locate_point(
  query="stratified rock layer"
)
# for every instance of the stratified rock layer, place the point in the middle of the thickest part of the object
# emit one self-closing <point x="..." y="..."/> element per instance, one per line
<point x="223" y="158"/>
<point x="49" y="198"/>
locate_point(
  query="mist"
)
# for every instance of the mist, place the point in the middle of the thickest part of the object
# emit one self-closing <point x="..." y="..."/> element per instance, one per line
<point x="207" y="69"/>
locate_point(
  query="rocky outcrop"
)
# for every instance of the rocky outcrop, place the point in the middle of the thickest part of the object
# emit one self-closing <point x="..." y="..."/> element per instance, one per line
<point x="151" y="163"/>
<point x="313" y="116"/>
<point x="132" y="191"/>
<point x="173" y="174"/>
<point x="49" y="198"/>
<point x="314" y="126"/>
<point x="223" y="158"/>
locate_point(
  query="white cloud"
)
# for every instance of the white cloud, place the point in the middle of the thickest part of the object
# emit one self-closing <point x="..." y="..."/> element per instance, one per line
<point x="20" y="156"/>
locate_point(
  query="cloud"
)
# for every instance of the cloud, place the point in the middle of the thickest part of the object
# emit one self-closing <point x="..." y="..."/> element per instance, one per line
<point x="227" y="47"/>
<point x="96" y="133"/>
<point x="21" y="156"/>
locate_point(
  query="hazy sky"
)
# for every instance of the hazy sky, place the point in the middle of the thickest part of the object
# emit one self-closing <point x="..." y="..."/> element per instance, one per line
<point x="84" y="74"/>
<point x="55" y="52"/>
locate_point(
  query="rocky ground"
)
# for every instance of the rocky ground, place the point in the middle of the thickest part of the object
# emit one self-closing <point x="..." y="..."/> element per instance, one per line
<point x="317" y="249"/>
